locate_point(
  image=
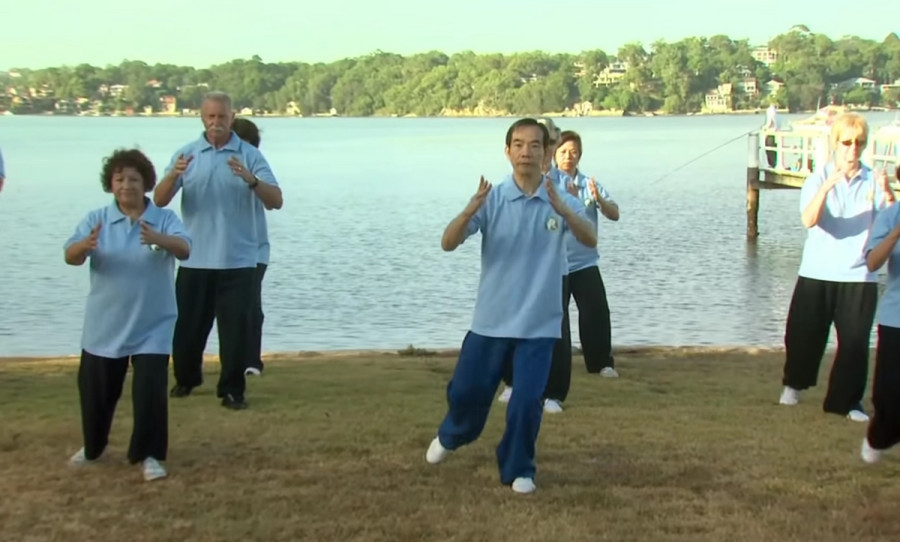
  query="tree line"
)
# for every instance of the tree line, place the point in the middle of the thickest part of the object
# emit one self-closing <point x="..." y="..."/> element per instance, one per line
<point x="670" y="77"/>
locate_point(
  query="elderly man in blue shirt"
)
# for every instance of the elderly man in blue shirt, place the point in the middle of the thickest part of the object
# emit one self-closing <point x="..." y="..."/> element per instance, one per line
<point x="560" y="370"/>
<point x="838" y="204"/>
<point x="226" y="184"/>
<point x="518" y="309"/>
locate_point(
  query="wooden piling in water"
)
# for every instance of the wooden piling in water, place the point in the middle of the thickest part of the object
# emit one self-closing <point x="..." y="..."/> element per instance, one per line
<point x="753" y="186"/>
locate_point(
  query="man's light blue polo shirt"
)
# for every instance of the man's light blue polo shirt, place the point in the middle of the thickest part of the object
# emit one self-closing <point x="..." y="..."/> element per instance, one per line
<point x="131" y="306"/>
<point x="834" y="247"/>
<point x="220" y="211"/>
<point x="523" y="260"/>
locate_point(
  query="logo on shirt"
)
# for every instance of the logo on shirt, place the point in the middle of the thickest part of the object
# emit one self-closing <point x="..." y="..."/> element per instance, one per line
<point x="552" y="223"/>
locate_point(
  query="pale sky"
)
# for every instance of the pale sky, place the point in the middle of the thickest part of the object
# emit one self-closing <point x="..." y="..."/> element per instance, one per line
<point x="42" y="33"/>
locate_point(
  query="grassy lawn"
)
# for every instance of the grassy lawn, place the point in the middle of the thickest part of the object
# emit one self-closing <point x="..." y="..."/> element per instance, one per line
<point x="686" y="446"/>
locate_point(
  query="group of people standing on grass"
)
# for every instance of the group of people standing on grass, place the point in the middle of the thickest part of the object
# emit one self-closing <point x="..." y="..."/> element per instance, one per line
<point x="538" y="249"/>
<point x="139" y="309"/>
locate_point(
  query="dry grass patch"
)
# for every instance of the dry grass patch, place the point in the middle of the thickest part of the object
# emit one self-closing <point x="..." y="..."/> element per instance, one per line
<point x="686" y="446"/>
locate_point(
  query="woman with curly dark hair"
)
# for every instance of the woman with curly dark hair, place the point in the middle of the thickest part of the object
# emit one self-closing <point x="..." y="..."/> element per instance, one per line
<point x="130" y="312"/>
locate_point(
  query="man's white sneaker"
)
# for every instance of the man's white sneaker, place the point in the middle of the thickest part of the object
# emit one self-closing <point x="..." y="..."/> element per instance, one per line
<point x="857" y="415"/>
<point x="523" y="485"/>
<point x="789" y="396"/>
<point x="505" y="394"/>
<point x="552" y="406"/>
<point x="79" y="459"/>
<point x="609" y="372"/>
<point x="252" y="371"/>
<point x="436" y="453"/>
<point x="152" y="469"/>
<point x="869" y="454"/>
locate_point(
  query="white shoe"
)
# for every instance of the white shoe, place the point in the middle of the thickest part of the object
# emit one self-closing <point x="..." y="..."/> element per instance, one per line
<point x="857" y="416"/>
<point x="505" y="394"/>
<point x="79" y="459"/>
<point x="868" y="453"/>
<point x="523" y="485"/>
<point x="552" y="406"/>
<point x="789" y="396"/>
<point x="152" y="469"/>
<point x="436" y="453"/>
<point x="252" y="371"/>
<point x="609" y="372"/>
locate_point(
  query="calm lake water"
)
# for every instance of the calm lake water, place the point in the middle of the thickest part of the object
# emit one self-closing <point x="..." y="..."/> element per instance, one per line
<point x="356" y="257"/>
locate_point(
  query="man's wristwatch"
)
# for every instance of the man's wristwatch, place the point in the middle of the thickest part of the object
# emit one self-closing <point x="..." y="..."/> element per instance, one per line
<point x="254" y="183"/>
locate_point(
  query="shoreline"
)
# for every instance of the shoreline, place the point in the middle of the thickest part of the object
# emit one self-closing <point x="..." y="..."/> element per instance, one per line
<point x="418" y="352"/>
<point x="459" y="115"/>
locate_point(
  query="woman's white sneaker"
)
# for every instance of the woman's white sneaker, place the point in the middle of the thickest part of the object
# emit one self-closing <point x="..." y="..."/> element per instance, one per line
<point x="789" y="396"/>
<point x="153" y="470"/>
<point x="868" y="453"/>
<point x="552" y="406"/>
<point x="80" y="460"/>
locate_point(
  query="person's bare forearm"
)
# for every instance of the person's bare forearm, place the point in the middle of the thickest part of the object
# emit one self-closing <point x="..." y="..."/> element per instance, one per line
<point x="269" y="194"/>
<point x="455" y="232"/>
<point x="176" y="245"/>
<point x="77" y="253"/>
<point x="165" y="190"/>
<point x="880" y="254"/>
<point x="609" y="210"/>
<point x="813" y="211"/>
<point x="582" y="229"/>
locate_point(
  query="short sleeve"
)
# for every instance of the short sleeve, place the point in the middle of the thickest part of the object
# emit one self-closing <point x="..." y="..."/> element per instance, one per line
<point x="882" y="226"/>
<point x="477" y="222"/>
<point x="172" y="225"/>
<point x="83" y="229"/>
<point x="604" y="193"/>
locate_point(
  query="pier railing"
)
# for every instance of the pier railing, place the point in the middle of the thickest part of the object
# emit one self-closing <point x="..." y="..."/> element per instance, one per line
<point x="785" y="158"/>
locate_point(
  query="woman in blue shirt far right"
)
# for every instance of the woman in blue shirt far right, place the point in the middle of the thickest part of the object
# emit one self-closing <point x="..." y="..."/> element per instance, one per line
<point x="881" y="248"/>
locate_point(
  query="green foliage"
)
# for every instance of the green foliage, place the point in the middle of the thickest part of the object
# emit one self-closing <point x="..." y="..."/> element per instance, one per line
<point x="670" y="77"/>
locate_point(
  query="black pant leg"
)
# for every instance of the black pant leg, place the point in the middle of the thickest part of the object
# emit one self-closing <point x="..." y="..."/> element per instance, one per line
<point x="806" y="333"/>
<point x="195" y="296"/>
<point x="234" y="315"/>
<point x="100" y="383"/>
<point x="594" y="327"/>
<point x="884" y="428"/>
<point x="150" y="435"/>
<point x="560" y="378"/>
<point x="256" y="329"/>
<point x="853" y="318"/>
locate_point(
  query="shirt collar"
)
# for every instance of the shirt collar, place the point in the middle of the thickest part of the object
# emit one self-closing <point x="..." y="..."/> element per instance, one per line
<point x="233" y="143"/>
<point x="511" y="191"/>
<point x="150" y="216"/>
<point x="865" y="173"/>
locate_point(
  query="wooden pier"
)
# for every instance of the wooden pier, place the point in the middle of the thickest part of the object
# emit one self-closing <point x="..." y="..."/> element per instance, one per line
<point x="783" y="159"/>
